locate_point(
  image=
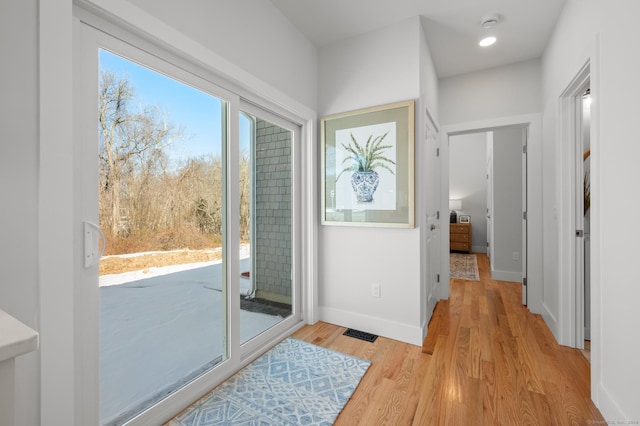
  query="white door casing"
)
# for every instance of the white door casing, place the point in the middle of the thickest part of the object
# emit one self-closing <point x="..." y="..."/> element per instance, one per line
<point x="533" y="122"/>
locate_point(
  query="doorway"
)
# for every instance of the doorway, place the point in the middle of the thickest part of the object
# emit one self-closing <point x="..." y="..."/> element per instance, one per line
<point x="491" y="196"/>
<point x="532" y="250"/>
<point x="585" y="160"/>
<point x="582" y="217"/>
<point x="576" y="206"/>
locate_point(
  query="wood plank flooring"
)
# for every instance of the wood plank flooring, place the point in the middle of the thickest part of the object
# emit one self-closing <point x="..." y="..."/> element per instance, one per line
<point x="486" y="361"/>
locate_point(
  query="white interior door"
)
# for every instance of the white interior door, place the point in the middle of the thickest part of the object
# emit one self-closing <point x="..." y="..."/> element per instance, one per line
<point x="432" y="183"/>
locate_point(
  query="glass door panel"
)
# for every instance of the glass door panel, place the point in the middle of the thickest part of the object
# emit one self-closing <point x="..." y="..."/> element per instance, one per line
<point x="266" y="225"/>
<point x="162" y="283"/>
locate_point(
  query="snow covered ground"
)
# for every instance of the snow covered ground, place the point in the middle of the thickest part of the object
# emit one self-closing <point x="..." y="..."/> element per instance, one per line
<point x="162" y="328"/>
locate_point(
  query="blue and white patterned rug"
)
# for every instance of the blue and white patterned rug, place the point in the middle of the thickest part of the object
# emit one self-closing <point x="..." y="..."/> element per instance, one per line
<point x="295" y="383"/>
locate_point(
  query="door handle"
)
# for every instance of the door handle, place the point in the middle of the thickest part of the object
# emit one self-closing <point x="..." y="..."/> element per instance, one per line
<point x="94" y="244"/>
<point x="433" y="227"/>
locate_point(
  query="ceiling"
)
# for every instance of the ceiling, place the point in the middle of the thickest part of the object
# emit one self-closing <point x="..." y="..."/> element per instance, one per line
<point x="452" y="27"/>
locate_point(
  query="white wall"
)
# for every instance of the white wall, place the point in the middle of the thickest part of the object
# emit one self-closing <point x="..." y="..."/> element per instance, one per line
<point x="507" y="203"/>
<point x="605" y="32"/>
<point x="372" y="69"/>
<point x="484" y="100"/>
<point x="428" y="79"/>
<point x="18" y="187"/>
<point x="617" y="154"/>
<point x="568" y="50"/>
<point x="254" y="35"/>
<point x="498" y="92"/>
<point x="467" y="181"/>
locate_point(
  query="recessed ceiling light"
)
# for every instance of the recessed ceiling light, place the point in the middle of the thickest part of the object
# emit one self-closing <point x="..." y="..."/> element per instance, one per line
<point x="487" y="41"/>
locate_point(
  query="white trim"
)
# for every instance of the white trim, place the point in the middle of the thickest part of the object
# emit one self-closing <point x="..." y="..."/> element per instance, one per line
<point x="565" y="198"/>
<point x="549" y="319"/>
<point x="534" y="195"/>
<point x="596" y="238"/>
<point x="58" y="370"/>
<point x="309" y="212"/>
<point x="391" y="329"/>
<point x="566" y="327"/>
<point x="606" y="403"/>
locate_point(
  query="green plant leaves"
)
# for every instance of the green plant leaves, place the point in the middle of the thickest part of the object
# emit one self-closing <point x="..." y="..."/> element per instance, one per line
<point x="367" y="158"/>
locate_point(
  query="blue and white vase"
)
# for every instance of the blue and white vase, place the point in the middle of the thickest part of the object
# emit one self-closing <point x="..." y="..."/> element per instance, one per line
<point x="364" y="184"/>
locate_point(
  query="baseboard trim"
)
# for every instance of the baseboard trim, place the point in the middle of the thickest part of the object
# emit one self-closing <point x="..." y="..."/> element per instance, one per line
<point x="390" y="329"/>
<point x="608" y="407"/>
<point x="551" y="321"/>
<point x="506" y="276"/>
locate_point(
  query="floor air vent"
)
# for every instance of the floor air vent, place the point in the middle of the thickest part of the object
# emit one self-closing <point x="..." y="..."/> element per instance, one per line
<point x="367" y="337"/>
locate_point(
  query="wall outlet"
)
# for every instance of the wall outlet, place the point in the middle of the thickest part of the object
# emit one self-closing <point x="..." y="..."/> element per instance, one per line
<point x="515" y="255"/>
<point x="375" y="290"/>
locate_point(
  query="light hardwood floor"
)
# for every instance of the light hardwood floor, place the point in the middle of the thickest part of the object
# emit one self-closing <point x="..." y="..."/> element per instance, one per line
<point x="486" y="361"/>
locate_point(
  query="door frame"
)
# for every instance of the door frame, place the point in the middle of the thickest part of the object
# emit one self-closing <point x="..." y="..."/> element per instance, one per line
<point x="76" y="404"/>
<point x="533" y="122"/>
<point x="572" y="293"/>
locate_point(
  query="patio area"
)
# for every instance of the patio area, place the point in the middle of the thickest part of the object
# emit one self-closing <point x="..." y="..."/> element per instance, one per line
<point x="161" y="328"/>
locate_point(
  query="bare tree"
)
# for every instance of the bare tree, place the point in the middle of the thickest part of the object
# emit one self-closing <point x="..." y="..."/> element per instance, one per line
<point x="245" y="196"/>
<point x="132" y="143"/>
<point x="144" y="192"/>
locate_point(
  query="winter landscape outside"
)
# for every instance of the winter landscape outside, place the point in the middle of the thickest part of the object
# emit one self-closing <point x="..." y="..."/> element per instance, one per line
<point x="162" y="294"/>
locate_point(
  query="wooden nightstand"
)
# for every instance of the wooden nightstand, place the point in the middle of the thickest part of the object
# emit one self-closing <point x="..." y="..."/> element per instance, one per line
<point x="460" y="237"/>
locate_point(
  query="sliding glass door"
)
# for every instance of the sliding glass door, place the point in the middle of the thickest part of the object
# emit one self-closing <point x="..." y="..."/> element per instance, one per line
<point x="163" y="316"/>
<point x="266" y="223"/>
<point x="195" y="192"/>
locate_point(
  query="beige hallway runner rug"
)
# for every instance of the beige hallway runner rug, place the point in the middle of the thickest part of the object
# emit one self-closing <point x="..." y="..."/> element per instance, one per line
<point x="463" y="266"/>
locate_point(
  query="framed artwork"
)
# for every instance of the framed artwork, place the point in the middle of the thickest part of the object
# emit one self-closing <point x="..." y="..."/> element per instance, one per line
<point x="464" y="218"/>
<point x="368" y="167"/>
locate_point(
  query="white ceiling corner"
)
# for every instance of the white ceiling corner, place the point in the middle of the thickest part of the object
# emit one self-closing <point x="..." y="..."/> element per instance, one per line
<point x="452" y="27"/>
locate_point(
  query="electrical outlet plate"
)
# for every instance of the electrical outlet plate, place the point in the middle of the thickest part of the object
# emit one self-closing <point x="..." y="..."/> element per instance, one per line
<point x="375" y="290"/>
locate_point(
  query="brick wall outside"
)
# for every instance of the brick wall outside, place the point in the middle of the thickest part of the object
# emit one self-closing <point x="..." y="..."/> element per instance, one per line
<point x="272" y="273"/>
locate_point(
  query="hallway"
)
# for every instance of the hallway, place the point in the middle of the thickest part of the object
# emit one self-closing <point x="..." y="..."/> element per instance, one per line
<point x="486" y="360"/>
